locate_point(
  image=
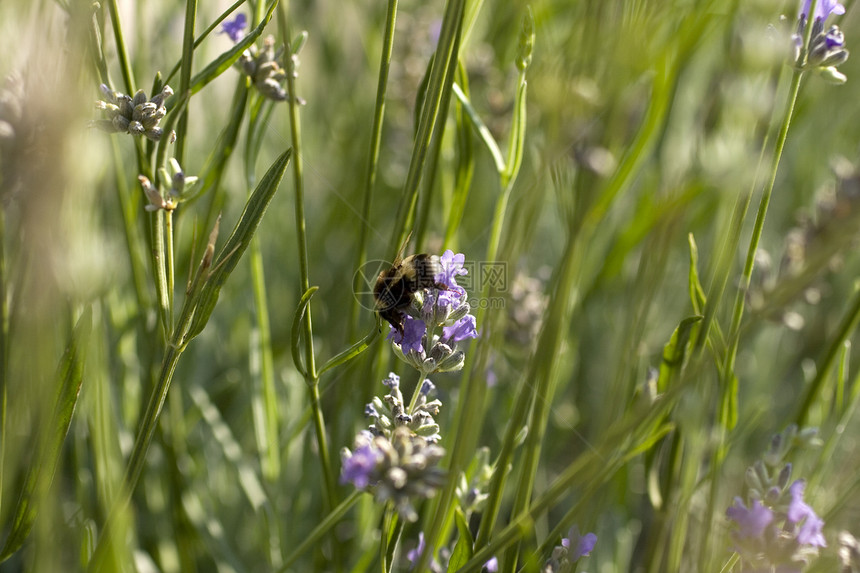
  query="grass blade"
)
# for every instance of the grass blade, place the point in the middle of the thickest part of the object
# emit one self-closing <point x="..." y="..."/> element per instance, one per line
<point x="44" y="464"/>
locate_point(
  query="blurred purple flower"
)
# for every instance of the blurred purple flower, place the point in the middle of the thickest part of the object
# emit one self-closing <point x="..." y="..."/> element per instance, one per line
<point x="809" y="532"/>
<point x="358" y="468"/>
<point x="234" y="28"/>
<point x="578" y="545"/>
<point x="413" y="555"/>
<point x="492" y="565"/>
<point x="823" y="9"/>
<point x="751" y="522"/>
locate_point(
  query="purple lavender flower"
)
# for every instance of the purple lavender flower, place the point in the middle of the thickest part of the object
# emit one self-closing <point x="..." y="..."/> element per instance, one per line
<point x="492" y="565"/>
<point x="233" y="28"/>
<point x="460" y="330"/>
<point x="751" y="522"/>
<point x="413" y="332"/>
<point x="578" y="545"/>
<point x="823" y="9"/>
<point x="452" y="267"/>
<point x="360" y="466"/>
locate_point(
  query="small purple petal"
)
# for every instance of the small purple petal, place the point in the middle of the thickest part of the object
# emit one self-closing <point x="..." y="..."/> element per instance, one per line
<point x="393" y="380"/>
<point x="492" y="565"/>
<point x="413" y="555"/>
<point x="233" y="28"/>
<point x="427" y="387"/>
<point x="413" y="332"/>
<point x="370" y="410"/>
<point x="452" y="266"/>
<point x="461" y="330"/>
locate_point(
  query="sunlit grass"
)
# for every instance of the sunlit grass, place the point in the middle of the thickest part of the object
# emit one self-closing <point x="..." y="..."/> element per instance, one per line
<point x="646" y="324"/>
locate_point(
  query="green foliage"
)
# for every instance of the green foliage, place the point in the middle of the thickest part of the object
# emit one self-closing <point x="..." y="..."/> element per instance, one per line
<point x="625" y="374"/>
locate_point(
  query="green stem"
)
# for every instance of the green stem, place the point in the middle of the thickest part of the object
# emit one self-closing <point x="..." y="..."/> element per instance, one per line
<point x="122" y="53"/>
<point x="269" y="430"/>
<point x="327" y="524"/>
<point x="185" y="75"/>
<point x="849" y="323"/>
<point x="168" y="251"/>
<point x="373" y="158"/>
<point x="158" y="257"/>
<point x="727" y="388"/>
<point x="105" y="548"/>
<point x="4" y="340"/>
<point x="417" y="392"/>
<point x="311" y="377"/>
<point x="440" y="81"/>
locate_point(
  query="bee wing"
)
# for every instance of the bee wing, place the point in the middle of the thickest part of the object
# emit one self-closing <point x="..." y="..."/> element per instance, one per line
<point x="398" y="258"/>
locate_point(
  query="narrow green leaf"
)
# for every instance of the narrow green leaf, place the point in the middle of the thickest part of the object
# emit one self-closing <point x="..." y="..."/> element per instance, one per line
<point x="203" y="305"/>
<point x="463" y="549"/>
<point x="465" y="162"/>
<point x="675" y="351"/>
<point x="297" y="324"/>
<point x="697" y="293"/>
<point x="482" y="129"/>
<point x="350" y="352"/>
<point x="44" y="463"/>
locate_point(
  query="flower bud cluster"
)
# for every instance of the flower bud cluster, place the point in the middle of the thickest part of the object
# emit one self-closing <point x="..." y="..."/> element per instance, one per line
<point x="775" y="527"/>
<point x="391" y="411"/>
<point x="420" y="345"/>
<point x="264" y="69"/>
<point x="826" y="47"/>
<point x="133" y="115"/>
<point x="402" y="469"/>
<point x="173" y="187"/>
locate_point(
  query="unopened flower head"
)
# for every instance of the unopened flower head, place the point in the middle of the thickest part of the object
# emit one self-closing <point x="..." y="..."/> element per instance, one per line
<point x="391" y="411"/>
<point x="133" y="115"/>
<point x="264" y="68"/>
<point x="774" y="527"/>
<point x="174" y="186"/>
<point x="403" y="469"/>
<point x="826" y="46"/>
<point x="422" y="345"/>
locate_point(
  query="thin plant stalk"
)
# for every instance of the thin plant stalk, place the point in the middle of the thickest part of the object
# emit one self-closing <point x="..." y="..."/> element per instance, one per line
<point x="311" y="377"/>
<point x="439" y="81"/>
<point x="185" y="75"/>
<point x="733" y="340"/>
<point x="373" y="155"/>
<point x="169" y="256"/>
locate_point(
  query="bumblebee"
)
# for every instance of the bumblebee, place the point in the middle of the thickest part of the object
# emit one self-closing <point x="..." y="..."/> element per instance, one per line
<point x="396" y="287"/>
